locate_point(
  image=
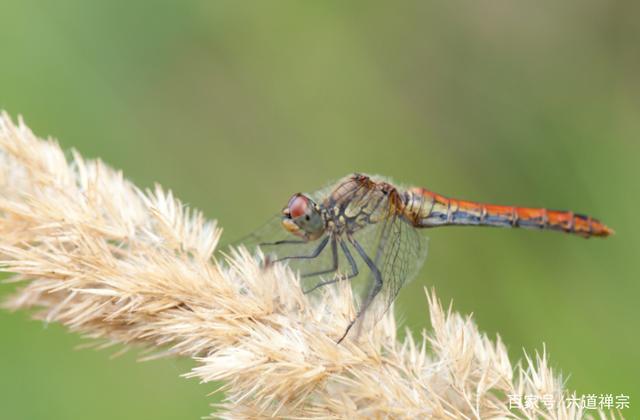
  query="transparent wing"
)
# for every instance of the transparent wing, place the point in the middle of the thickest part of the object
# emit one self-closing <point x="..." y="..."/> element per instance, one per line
<point x="404" y="253"/>
<point x="397" y="252"/>
<point x="271" y="231"/>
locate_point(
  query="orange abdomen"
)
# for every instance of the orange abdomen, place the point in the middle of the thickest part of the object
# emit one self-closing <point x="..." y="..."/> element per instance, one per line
<point x="427" y="209"/>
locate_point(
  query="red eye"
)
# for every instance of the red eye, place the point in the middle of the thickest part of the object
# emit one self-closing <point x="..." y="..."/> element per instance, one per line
<point x="298" y="206"/>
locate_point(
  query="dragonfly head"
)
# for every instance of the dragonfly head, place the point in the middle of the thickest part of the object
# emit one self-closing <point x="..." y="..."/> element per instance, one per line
<point x="302" y="217"/>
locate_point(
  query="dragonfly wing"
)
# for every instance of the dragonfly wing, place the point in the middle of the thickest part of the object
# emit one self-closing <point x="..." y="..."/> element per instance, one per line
<point x="398" y="252"/>
<point x="404" y="253"/>
<point x="271" y="231"/>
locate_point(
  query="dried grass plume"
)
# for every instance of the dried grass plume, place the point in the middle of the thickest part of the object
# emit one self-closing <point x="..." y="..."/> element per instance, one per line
<point x="133" y="267"/>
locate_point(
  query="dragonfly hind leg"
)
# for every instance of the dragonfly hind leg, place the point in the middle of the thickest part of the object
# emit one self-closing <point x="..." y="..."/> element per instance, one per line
<point x="352" y="263"/>
<point x="377" y="287"/>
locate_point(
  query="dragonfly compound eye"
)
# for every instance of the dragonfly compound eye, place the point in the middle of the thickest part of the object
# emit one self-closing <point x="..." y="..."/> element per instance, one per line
<point x="298" y="206"/>
<point x="302" y="217"/>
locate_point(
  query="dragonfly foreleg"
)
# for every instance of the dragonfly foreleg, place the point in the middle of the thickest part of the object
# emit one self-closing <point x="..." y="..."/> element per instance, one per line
<point x="283" y="242"/>
<point x="334" y="264"/>
<point x="352" y="263"/>
<point x="313" y="254"/>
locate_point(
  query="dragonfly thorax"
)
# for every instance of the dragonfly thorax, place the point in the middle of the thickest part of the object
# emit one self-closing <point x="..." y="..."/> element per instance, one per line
<point x="303" y="217"/>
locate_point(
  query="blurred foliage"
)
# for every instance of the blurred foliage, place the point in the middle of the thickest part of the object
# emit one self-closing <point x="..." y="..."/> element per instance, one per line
<point x="235" y="106"/>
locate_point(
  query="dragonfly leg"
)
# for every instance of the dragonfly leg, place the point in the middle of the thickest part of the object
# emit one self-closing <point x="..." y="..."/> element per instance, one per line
<point x="377" y="286"/>
<point x="282" y="242"/>
<point x="334" y="264"/>
<point x="314" y="254"/>
<point x="352" y="263"/>
<point x="346" y="331"/>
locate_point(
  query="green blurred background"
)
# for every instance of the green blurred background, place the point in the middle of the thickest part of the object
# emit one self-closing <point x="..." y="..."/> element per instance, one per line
<point x="235" y="106"/>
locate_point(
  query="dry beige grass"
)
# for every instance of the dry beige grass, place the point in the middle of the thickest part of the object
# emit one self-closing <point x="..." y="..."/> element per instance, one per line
<point x="122" y="265"/>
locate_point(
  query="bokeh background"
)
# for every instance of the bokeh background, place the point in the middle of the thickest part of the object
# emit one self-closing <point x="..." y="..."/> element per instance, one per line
<point x="235" y="106"/>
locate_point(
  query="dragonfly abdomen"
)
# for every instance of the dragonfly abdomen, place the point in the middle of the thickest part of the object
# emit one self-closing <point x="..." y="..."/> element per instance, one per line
<point x="428" y="209"/>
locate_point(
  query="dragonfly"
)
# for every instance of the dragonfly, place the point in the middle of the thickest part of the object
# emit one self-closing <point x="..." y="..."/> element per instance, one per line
<point x="365" y="227"/>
